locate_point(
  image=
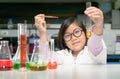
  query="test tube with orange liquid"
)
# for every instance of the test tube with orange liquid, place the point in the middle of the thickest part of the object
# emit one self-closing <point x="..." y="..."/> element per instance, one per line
<point x="52" y="63"/>
<point x="88" y="23"/>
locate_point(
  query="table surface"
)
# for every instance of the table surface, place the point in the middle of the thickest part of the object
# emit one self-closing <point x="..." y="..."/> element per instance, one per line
<point x="109" y="71"/>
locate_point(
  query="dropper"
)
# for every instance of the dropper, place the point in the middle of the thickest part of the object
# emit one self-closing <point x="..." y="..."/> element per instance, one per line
<point x="48" y="16"/>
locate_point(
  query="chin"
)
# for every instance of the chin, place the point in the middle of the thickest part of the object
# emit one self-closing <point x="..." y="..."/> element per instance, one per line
<point x="78" y="48"/>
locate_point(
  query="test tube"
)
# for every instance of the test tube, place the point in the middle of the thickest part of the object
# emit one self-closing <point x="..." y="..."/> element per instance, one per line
<point x="52" y="63"/>
<point x="88" y="22"/>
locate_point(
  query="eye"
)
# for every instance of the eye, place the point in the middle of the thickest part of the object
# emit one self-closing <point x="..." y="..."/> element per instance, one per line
<point x="77" y="31"/>
<point x="66" y="35"/>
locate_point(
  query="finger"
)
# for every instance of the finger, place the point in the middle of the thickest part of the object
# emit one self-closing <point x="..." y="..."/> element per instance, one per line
<point x="93" y="14"/>
<point x="96" y="13"/>
<point x="92" y="10"/>
<point x="39" y="16"/>
<point x="96" y="19"/>
<point x="99" y="16"/>
<point x="38" y="20"/>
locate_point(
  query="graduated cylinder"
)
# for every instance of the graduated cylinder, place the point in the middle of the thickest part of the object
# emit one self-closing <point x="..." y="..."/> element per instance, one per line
<point x="22" y="31"/>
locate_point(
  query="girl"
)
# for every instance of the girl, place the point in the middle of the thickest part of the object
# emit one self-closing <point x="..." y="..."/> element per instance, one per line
<point x="74" y="47"/>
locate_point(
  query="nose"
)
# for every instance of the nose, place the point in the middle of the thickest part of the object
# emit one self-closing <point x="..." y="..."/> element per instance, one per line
<point x="73" y="37"/>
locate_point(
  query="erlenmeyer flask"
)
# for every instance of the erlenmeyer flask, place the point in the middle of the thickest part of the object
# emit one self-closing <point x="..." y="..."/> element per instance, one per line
<point x="16" y="59"/>
<point x="37" y="62"/>
<point x="5" y="56"/>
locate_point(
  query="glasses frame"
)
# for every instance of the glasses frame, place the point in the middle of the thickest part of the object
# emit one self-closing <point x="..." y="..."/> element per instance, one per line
<point x="70" y="34"/>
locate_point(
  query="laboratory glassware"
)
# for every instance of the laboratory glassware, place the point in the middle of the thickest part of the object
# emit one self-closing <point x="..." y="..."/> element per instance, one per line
<point x="38" y="59"/>
<point x="88" y="22"/>
<point x="5" y="56"/>
<point x="16" y="59"/>
<point x="22" y="32"/>
<point x="52" y="63"/>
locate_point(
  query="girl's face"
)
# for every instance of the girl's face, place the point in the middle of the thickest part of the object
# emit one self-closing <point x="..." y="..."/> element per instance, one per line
<point x="75" y="38"/>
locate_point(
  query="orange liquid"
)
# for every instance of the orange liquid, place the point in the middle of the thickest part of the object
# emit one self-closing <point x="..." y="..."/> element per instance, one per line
<point x="52" y="65"/>
<point x="23" y="49"/>
<point x="88" y="34"/>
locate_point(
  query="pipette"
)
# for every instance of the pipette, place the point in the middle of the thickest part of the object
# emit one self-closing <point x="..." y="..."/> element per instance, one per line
<point x="47" y="16"/>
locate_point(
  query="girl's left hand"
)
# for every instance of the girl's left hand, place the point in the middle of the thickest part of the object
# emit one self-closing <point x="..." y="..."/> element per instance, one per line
<point x="96" y="15"/>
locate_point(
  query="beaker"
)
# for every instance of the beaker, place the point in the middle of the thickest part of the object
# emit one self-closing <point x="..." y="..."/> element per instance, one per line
<point x="5" y="56"/>
<point x="38" y="59"/>
<point x="22" y="32"/>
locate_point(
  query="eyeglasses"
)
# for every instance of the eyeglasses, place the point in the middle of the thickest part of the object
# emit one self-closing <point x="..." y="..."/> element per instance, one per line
<point x="76" y="32"/>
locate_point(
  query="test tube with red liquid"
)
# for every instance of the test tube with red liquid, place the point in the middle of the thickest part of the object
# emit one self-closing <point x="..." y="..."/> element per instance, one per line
<point x="88" y="23"/>
<point x="22" y="29"/>
<point x="52" y="63"/>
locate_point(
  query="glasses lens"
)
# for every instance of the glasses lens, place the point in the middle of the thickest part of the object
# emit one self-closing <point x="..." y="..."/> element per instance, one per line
<point x="67" y="37"/>
<point x="77" y="32"/>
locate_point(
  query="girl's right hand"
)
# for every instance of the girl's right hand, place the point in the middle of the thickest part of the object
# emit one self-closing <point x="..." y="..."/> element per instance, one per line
<point x="40" y="23"/>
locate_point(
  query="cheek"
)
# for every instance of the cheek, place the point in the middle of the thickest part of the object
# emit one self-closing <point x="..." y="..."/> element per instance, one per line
<point x="83" y="39"/>
<point x="69" y="45"/>
<point x="82" y="43"/>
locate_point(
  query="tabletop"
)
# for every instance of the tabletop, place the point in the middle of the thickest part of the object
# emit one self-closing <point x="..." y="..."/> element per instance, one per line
<point x="109" y="71"/>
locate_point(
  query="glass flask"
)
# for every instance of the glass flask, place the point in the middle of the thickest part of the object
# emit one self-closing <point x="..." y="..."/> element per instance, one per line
<point x="5" y="56"/>
<point x="52" y="63"/>
<point x="38" y="59"/>
<point x="88" y="23"/>
<point x="16" y="59"/>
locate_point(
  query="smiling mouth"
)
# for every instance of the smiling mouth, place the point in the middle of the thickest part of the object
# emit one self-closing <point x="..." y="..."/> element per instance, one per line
<point x="75" y="43"/>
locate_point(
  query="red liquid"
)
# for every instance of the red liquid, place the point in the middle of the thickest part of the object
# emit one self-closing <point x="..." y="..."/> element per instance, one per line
<point x="52" y="65"/>
<point x="23" y="49"/>
<point x="5" y="65"/>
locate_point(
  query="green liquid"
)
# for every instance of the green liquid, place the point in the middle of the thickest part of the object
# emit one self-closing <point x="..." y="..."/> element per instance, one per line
<point x="27" y="65"/>
<point x="17" y="65"/>
<point x="38" y="67"/>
